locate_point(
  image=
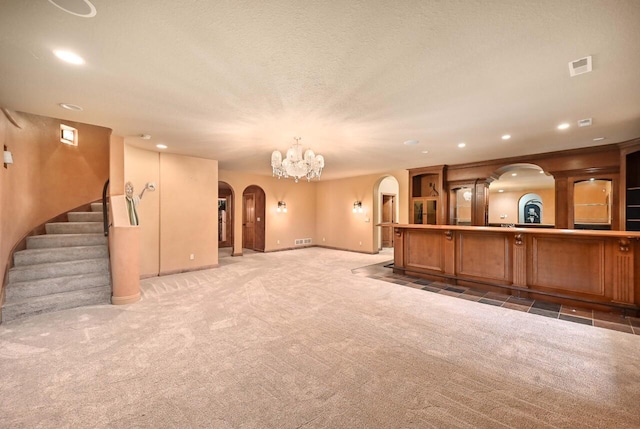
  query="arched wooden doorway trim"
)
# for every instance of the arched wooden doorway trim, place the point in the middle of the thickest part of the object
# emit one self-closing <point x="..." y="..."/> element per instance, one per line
<point x="225" y="215"/>
<point x="386" y="208"/>
<point x="253" y="218"/>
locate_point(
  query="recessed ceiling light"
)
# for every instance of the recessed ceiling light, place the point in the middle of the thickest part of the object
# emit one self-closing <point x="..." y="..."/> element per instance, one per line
<point x="541" y="172"/>
<point x="506" y="137"/>
<point x="411" y="142"/>
<point x="425" y="151"/>
<point x="500" y="190"/>
<point x="70" y="106"/>
<point x="161" y="146"/>
<point x="593" y="179"/>
<point x="68" y="57"/>
<point x="461" y="145"/>
<point x="597" y="139"/>
<point x="514" y="174"/>
<point x="80" y="10"/>
<point x="564" y="126"/>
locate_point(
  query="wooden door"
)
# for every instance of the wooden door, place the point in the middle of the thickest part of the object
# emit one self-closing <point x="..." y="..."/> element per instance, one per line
<point x="388" y="216"/>
<point x="248" y="221"/>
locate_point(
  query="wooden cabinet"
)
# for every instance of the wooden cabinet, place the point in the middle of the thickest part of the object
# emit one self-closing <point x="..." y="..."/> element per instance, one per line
<point x="632" y="191"/>
<point x="428" y="200"/>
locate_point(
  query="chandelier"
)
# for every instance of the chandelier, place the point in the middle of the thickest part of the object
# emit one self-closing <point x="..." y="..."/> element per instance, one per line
<point x="295" y="165"/>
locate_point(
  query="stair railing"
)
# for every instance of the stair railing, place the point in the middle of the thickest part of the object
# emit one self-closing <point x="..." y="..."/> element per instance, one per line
<point x="105" y="214"/>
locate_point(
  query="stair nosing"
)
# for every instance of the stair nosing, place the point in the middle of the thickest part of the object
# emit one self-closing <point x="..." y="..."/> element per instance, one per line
<point x="49" y="264"/>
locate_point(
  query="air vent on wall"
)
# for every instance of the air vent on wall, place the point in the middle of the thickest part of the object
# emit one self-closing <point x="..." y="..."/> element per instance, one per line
<point x="581" y="66"/>
<point x="585" y="122"/>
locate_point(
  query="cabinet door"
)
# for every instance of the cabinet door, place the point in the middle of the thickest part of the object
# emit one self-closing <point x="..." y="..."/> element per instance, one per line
<point x="424" y="211"/>
<point x="418" y="211"/>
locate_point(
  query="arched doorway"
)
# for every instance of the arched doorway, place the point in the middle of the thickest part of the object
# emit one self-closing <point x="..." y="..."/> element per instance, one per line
<point x="225" y="215"/>
<point x="386" y="192"/>
<point x="253" y="218"/>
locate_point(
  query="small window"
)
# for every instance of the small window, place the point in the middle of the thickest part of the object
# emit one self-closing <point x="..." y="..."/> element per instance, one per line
<point x="68" y="135"/>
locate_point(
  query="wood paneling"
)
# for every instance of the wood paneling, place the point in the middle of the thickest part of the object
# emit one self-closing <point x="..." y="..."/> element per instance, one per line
<point x="580" y="267"/>
<point x="576" y="265"/>
<point x="424" y="250"/>
<point x="484" y="255"/>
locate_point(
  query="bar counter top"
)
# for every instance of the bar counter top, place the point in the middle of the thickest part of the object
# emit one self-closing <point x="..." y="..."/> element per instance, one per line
<point x="541" y="231"/>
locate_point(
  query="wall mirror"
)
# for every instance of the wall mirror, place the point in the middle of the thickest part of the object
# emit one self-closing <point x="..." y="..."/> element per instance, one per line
<point x="592" y="204"/>
<point x="523" y="195"/>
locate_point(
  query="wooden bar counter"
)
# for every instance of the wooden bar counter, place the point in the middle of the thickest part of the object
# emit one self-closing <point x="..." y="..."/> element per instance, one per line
<point x="594" y="269"/>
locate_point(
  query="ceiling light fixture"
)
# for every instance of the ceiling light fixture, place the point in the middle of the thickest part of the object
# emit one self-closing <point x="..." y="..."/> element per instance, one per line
<point x="425" y="151"/>
<point x="500" y="190"/>
<point x="506" y="137"/>
<point x="514" y="174"/>
<point x="461" y="145"/>
<point x="411" y="142"/>
<point x="295" y="164"/>
<point x="70" y="106"/>
<point x="161" y="146"/>
<point x="597" y="139"/>
<point x="564" y="126"/>
<point x="69" y="57"/>
<point x="80" y="10"/>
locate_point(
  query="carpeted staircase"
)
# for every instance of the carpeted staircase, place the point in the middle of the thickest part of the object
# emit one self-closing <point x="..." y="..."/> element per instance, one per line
<point x="65" y="268"/>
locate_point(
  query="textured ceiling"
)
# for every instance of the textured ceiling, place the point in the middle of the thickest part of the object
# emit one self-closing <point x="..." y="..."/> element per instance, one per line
<point x="234" y="80"/>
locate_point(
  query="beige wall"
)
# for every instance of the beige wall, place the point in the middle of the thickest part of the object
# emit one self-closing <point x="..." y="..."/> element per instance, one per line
<point x="320" y="210"/>
<point x="47" y="178"/>
<point x="179" y="219"/>
<point x="281" y="229"/>
<point x="507" y="203"/>
<point x="188" y="213"/>
<point x="339" y="227"/>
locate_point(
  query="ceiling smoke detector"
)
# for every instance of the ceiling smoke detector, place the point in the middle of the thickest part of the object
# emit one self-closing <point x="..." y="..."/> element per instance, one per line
<point x="585" y="122"/>
<point x="581" y="66"/>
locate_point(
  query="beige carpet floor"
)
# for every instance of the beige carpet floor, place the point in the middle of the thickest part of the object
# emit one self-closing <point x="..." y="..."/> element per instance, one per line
<point x="295" y="340"/>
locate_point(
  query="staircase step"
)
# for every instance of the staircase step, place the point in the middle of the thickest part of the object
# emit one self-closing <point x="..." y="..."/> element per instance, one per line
<point x="56" y="302"/>
<point x="85" y="216"/>
<point x="45" y="256"/>
<point x="74" y="227"/>
<point x="65" y="240"/>
<point x="97" y="207"/>
<point x="19" y="291"/>
<point x="58" y="269"/>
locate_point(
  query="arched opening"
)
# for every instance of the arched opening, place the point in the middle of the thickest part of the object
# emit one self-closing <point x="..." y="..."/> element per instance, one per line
<point x="523" y="194"/>
<point x="225" y="217"/>
<point x="530" y="209"/>
<point x="386" y="196"/>
<point x="253" y="218"/>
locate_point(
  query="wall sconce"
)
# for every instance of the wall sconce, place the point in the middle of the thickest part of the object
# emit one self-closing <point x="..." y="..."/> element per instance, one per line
<point x="7" y="157"/>
<point x="357" y="207"/>
<point x="282" y="207"/>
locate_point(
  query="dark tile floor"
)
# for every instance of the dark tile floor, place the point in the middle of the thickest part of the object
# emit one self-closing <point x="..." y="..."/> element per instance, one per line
<point x="613" y="320"/>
